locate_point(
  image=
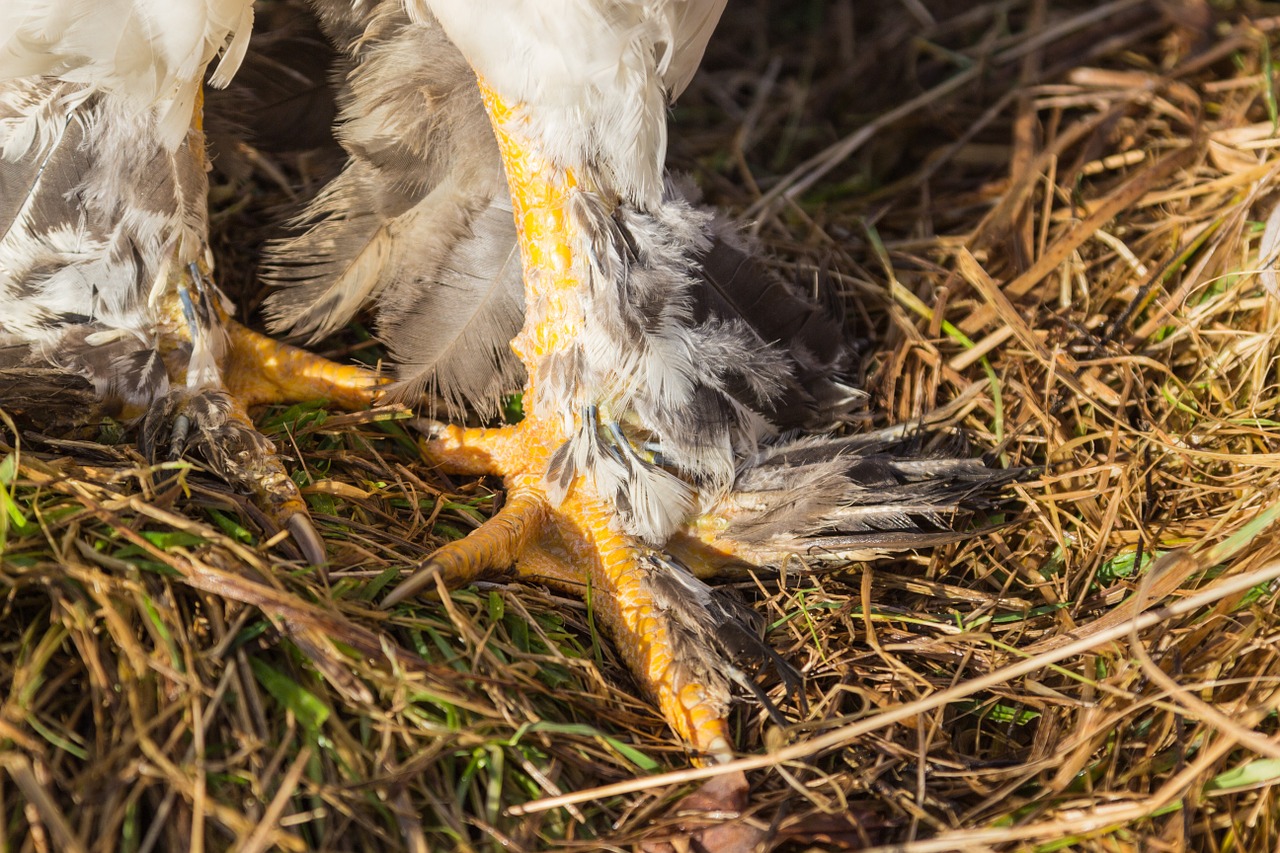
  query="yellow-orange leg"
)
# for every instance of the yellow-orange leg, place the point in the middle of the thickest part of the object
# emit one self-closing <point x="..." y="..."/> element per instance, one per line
<point x="259" y="369"/>
<point x="577" y="542"/>
<point x="209" y="411"/>
<point x="495" y="545"/>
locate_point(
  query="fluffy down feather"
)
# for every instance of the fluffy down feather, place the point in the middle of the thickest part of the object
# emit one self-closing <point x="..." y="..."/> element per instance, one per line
<point x="419" y="221"/>
<point x="642" y="363"/>
<point x="716" y="640"/>
<point x="149" y="54"/>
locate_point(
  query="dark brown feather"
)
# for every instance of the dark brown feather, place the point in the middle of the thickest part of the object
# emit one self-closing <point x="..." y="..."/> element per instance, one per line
<point x="737" y="284"/>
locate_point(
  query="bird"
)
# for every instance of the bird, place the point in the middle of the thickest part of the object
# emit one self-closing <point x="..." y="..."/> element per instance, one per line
<point x="506" y="210"/>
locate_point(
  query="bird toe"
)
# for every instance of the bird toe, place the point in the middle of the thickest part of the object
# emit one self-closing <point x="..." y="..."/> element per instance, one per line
<point x="213" y="427"/>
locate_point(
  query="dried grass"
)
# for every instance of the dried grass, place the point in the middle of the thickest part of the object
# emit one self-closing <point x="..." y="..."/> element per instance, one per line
<point x="1053" y="220"/>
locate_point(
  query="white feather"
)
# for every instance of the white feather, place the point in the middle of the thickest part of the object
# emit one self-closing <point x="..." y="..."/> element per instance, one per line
<point x="593" y="83"/>
<point x="147" y="53"/>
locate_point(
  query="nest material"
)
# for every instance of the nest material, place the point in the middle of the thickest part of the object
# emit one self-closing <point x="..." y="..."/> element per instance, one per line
<point x="1053" y="221"/>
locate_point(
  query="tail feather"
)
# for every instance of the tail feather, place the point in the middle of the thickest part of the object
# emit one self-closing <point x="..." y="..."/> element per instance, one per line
<point x="856" y="497"/>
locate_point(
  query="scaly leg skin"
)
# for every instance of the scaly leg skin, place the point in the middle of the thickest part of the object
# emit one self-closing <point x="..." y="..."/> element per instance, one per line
<point x="576" y="543"/>
<point x="570" y="546"/>
<point x="214" y="423"/>
<point x="259" y="370"/>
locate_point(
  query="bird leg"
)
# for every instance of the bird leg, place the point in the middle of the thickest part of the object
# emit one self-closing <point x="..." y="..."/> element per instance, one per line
<point x="573" y="546"/>
<point x="209" y="414"/>
<point x="568" y="535"/>
<point x="260" y="370"/>
<point x="217" y="369"/>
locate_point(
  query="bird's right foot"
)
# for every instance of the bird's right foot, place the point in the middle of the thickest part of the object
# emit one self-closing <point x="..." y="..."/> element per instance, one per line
<point x="208" y="415"/>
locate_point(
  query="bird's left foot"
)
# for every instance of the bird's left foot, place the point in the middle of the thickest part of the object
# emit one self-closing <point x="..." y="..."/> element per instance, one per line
<point x="688" y="645"/>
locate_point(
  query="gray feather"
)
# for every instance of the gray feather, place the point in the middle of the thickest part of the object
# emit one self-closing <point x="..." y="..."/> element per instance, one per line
<point x="854" y="497"/>
<point x="716" y="640"/>
<point x="342" y="259"/>
<point x="418" y="221"/>
<point x="692" y="388"/>
<point x="454" y="337"/>
<point x="738" y="285"/>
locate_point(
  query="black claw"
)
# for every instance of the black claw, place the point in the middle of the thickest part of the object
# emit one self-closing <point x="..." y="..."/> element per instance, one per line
<point x="178" y="438"/>
<point x="213" y="427"/>
<point x="413" y="585"/>
<point x="308" y="540"/>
